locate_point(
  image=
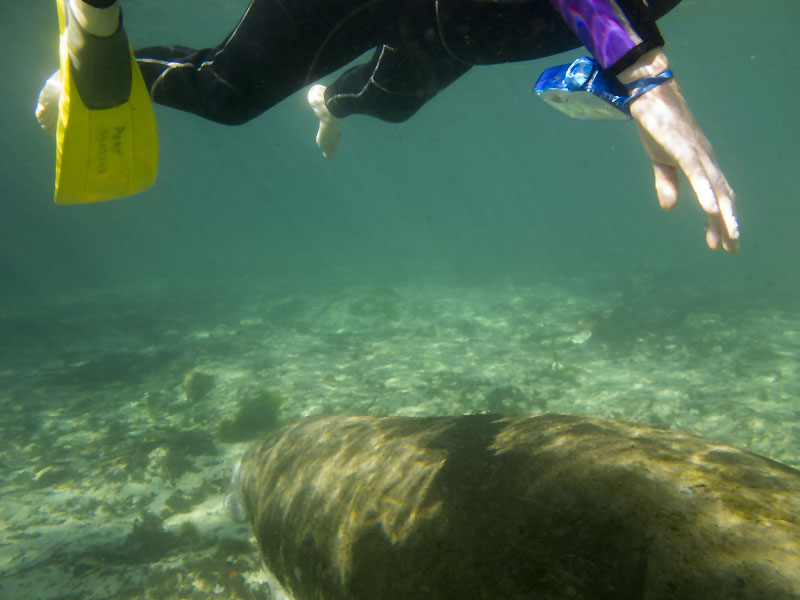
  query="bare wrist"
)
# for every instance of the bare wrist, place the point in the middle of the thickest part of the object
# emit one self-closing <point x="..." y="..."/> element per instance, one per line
<point x="649" y="64"/>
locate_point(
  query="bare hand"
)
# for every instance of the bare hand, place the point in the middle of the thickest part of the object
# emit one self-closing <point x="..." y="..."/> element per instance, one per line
<point x="673" y="140"/>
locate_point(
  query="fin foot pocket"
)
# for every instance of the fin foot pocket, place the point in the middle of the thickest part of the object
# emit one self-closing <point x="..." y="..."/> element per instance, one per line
<point x="106" y="137"/>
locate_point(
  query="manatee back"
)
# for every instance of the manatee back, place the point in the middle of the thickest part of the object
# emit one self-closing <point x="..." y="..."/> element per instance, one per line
<point x="516" y="507"/>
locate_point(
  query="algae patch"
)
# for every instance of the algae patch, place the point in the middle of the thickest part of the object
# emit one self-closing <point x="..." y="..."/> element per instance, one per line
<point x="257" y="414"/>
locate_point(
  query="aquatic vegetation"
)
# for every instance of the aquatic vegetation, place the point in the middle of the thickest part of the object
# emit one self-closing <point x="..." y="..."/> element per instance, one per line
<point x="189" y="530"/>
<point x="181" y="503"/>
<point x="257" y="414"/>
<point x="190" y="442"/>
<point x="91" y="368"/>
<point x="231" y="546"/>
<point x="53" y="475"/>
<point x="134" y="451"/>
<point x="182" y="447"/>
<point x="148" y="541"/>
<point x="507" y="399"/>
<point x="197" y="385"/>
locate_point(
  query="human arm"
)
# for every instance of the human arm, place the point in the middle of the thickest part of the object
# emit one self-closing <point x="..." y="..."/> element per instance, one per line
<point x="673" y="140"/>
<point x="623" y="38"/>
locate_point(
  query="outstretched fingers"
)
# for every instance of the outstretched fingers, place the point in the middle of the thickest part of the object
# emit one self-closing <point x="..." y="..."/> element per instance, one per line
<point x="716" y="235"/>
<point x="715" y="197"/>
<point x="674" y="142"/>
<point x="667" y="185"/>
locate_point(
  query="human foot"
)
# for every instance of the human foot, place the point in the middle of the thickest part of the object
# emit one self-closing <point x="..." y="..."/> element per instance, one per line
<point x="328" y="135"/>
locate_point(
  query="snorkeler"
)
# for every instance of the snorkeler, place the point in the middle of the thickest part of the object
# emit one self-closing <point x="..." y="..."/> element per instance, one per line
<point x="279" y="47"/>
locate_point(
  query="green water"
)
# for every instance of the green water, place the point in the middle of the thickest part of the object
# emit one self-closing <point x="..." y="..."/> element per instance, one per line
<point x="485" y="181"/>
<point x="487" y="255"/>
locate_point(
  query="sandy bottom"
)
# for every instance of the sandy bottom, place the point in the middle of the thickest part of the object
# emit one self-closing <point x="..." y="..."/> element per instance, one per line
<point x="122" y="417"/>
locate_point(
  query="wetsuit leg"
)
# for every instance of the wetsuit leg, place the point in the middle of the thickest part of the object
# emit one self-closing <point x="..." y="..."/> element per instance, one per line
<point x="439" y="41"/>
<point x="395" y="83"/>
<point x="278" y="47"/>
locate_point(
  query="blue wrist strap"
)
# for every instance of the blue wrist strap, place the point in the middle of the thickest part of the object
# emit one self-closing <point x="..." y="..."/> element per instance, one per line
<point x="645" y="84"/>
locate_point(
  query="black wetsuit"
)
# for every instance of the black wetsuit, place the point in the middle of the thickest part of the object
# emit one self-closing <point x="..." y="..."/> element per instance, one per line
<point x="421" y="46"/>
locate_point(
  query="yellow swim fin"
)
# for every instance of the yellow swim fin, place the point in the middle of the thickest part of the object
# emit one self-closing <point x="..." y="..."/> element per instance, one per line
<point x="106" y="140"/>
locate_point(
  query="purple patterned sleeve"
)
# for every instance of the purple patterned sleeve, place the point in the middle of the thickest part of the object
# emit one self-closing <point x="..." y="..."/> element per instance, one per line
<point x="602" y="27"/>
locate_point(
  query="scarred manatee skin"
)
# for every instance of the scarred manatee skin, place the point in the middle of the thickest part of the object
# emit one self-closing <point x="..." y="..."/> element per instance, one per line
<point x="548" y="506"/>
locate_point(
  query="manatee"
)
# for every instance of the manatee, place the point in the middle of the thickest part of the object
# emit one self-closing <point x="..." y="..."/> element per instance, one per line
<point x="516" y="507"/>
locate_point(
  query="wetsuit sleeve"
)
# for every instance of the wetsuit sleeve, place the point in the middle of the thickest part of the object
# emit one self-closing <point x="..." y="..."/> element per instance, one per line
<point x="616" y="32"/>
